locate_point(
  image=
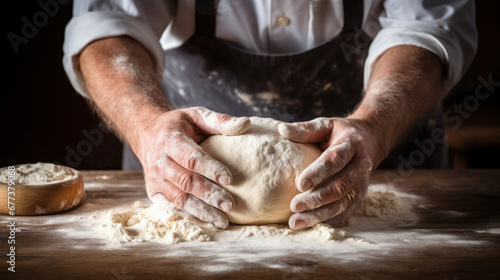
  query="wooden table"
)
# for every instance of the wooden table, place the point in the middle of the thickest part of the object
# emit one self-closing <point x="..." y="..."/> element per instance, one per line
<point x="46" y="249"/>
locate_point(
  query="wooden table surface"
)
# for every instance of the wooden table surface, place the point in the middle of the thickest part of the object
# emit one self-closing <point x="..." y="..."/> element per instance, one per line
<point x="46" y="249"/>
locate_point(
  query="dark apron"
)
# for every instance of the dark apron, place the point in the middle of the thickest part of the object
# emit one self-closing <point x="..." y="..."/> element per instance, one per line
<point x="326" y="81"/>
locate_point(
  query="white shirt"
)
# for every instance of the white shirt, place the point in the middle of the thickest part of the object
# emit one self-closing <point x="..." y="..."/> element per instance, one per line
<point x="444" y="27"/>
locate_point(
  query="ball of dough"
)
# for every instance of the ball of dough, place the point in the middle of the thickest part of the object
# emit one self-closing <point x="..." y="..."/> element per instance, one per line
<point x="264" y="166"/>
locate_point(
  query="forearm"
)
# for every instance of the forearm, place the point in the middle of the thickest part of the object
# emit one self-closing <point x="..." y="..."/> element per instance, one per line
<point x="122" y="82"/>
<point x="406" y="81"/>
<point x="120" y="77"/>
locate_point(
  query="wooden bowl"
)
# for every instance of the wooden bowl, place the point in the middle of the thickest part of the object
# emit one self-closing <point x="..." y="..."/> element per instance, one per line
<point x="41" y="199"/>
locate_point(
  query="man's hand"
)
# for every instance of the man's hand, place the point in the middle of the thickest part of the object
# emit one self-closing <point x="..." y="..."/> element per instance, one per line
<point x="348" y="156"/>
<point x="124" y="88"/>
<point x="176" y="167"/>
<point x="406" y="81"/>
<point x="120" y="77"/>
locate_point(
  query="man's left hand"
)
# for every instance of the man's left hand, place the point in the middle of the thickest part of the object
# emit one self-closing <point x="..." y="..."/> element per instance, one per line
<point x="349" y="154"/>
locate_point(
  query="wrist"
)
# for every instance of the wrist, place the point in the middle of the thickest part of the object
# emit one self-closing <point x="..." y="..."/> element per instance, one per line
<point x="376" y="135"/>
<point x="140" y="127"/>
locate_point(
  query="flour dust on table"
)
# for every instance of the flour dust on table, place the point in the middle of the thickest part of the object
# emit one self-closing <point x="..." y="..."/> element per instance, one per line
<point x="138" y="223"/>
<point x="264" y="166"/>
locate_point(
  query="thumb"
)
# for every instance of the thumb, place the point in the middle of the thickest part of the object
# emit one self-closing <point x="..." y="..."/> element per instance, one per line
<point x="217" y="123"/>
<point x="317" y="130"/>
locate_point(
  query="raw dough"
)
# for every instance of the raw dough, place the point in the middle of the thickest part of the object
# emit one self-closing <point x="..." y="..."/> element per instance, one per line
<point x="264" y="167"/>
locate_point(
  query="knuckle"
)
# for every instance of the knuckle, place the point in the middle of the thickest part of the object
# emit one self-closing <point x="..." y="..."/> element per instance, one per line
<point x="305" y="125"/>
<point x="309" y="126"/>
<point x="316" y="201"/>
<point x="335" y="160"/>
<point x="169" y="172"/>
<point x="341" y="187"/>
<point x="185" y="182"/>
<point x="342" y="155"/>
<point x="329" y="194"/>
<point x="179" y="199"/>
<point x="190" y="160"/>
<point x="357" y="140"/>
<point x="323" y="122"/>
<point x="222" y="118"/>
<point x="170" y="140"/>
<point x="174" y="136"/>
<point x="160" y="164"/>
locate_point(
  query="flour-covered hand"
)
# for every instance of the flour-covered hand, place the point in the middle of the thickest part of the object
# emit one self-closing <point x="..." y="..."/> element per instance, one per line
<point x="176" y="168"/>
<point x="349" y="154"/>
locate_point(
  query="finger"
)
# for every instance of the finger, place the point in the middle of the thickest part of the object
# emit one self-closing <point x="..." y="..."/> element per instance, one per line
<point x="312" y="217"/>
<point x="217" y="123"/>
<point x="191" y="156"/>
<point x="329" y="163"/>
<point x="206" y="213"/>
<point x="166" y="206"/>
<point x="190" y="204"/>
<point x="332" y="190"/>
<point x="342" y="219"/>
<point x="317" y="130"/>
<point x="362" y="175"/>
<point x="196" y="185"/>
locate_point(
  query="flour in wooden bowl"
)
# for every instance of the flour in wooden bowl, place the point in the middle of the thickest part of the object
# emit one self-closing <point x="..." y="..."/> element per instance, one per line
<point x="37" y="174"/>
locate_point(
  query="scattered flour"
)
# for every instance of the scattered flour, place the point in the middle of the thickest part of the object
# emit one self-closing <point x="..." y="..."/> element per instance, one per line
<point x="122" y="63"/>
<point x="379" y="204"/>
<point x="141" y="224"/>
<point x="38" y="173"/>
<point x="396" y="232"/>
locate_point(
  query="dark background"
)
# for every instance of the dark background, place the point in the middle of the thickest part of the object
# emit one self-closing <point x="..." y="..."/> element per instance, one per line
<point x="44" y="119"/>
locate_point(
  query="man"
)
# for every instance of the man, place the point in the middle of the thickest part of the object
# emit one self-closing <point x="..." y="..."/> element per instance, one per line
<point x="290" y="60"/>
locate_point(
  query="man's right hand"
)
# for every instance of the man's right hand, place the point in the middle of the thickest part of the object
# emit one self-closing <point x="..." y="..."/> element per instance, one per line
<point x="124" y="87"/>
<point x="176" y="167"/>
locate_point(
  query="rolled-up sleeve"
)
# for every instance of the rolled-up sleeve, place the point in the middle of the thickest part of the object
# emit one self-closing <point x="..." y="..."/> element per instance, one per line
<point x="444" y="27"/>
<point x="144" y="21"/>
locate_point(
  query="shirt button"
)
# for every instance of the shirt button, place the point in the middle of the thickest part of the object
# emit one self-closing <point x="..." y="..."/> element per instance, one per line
<point x="283" y="21"/>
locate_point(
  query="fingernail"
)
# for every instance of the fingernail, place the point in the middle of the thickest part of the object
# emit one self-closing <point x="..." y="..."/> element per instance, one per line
<point x="224" y="179"/>
<point x="301" y="206"/>
<point x="305" y="184"/>
<point x="299" y="224"/>
<point x="226" y="206"/>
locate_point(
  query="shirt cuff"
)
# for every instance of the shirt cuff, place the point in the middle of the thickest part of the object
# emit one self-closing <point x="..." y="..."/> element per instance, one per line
<point x="93" y="26"/>
<point x="437" y="40"/>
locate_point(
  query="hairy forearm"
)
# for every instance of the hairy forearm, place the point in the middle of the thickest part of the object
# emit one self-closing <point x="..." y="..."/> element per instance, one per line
<point x="406" y="82"/>
<point x="122" y="82"/>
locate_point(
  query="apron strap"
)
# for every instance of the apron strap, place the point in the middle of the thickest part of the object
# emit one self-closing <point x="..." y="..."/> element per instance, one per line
<point x="353" y="14"/>
<point x="205" y="18"/>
